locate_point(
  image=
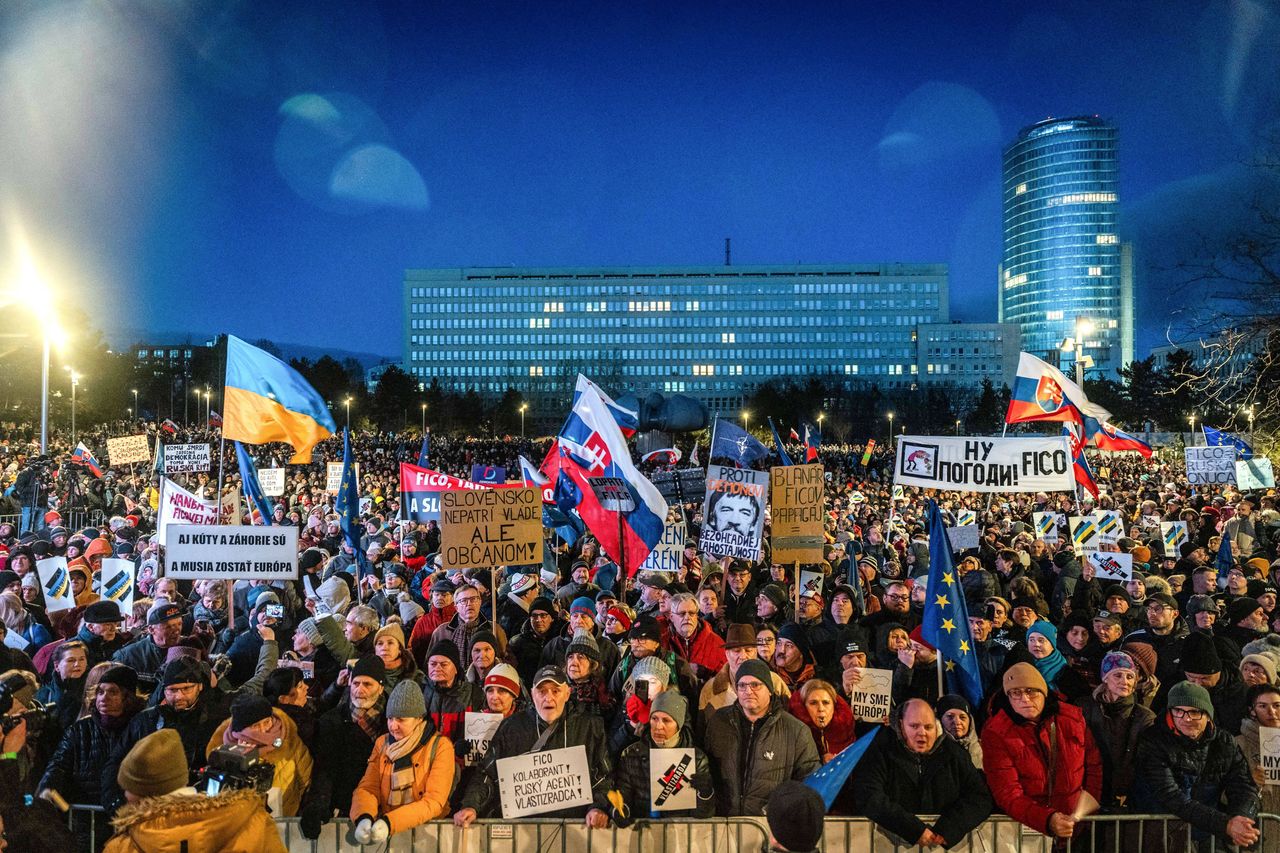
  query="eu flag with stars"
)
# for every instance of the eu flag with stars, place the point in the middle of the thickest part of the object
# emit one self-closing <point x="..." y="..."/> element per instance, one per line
<point x="1218" y="438"/>
<point x="422" y="454"/>
<point x="730" y="441"/>
<point x="252" y="487"/>
<point x="946" y="618"/>
<point x="828" y="779"/>
<point x="1223" y="561"/>
<point x="348" y="503"/>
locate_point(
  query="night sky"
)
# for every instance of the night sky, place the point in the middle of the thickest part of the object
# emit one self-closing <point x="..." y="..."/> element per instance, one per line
<point x="271" y="168"/>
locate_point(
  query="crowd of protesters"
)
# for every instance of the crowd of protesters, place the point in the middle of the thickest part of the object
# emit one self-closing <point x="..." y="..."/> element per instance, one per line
<point x="353" y="682"/>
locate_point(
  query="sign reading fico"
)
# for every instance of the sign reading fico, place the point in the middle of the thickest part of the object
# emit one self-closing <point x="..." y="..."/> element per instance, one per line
<point x="1210" y="465"/>
<point x="201" y="551"/>
<point x="984" y="464"/>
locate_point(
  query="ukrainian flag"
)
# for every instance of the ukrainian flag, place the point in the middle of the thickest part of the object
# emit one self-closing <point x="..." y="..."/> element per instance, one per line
<point x="266" y="400"/>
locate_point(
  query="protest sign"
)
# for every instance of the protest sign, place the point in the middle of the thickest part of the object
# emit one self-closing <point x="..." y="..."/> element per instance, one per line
<point x="1269" y="753"/>
<point x="1174" y="533"/>
<point x="478" y="729"/>
<point x="128" y="449"/>
<point x="1110" y="526"/>
<point x="1211" y="465"/>
<point x="332" y="477"/>
<point x="231" y="507"/>
<point x="1047" y="524"/>
<point x="483" y="528"/>
<point x="420" y="490"/>
<point x="547" y="781"/>
<point x="56" y="583"/>
<point x="1111" y="566"/>
<point x="870" y="697"/>
<point x="1084" y="534"/>
<point x="272" y="482"/>
<point x="118" y="583"/>
<point x="984" y="464"/>
<point x="671" y="780"/>
<point x="226" y="552"/>
<point x="1255" y="473"/>
<point x="810" y="584"/>
<point x="687" y="485"/>
<point x="963" y="538"/>
<point x="966" y="517"/>
<point x="178" y="506"/>
<point x="733" y="512"/>
<point x="795" y="498"/>
<point x="186" y="458"/>
<point x="669" y="552"/>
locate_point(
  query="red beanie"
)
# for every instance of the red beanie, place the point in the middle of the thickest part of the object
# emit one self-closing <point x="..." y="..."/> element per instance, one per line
<point x="917" y="635"/>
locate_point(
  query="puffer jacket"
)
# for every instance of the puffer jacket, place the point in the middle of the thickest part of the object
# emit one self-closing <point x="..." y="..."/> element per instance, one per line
<point x="433" y="774"/>
<point x="339" y="766"/>
<point x="1205" y="782"/>
<point x="836" y="736"/>
<point x="1015" y="757"/>
<point x="291" y="760"/>
<point x="447" y="708"/>
<point x="75" y="769"/>
<point x="892" y="785"/>
<point x="775" y="748"/>
<point x="633" y="773"/>
<point x="188" y="822"/>
<point x="1115" y="727"/>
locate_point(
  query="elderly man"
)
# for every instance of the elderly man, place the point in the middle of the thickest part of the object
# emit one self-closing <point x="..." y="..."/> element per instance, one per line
<point x="755" y="744"/>
<point x="1192" y="768"/>
<point x="693" y="639"/>
<point x="147" y="654"/>
<point x="547" y="724"/>
<point x="911" y="770"/>
<point x="467" y="622"/>
<point x="719" y="691"/>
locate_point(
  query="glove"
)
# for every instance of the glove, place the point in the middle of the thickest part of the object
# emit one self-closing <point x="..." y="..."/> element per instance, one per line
<point x="380" y="831"/>
<point x="312" y="821"/>
<point x="363" y="831"/>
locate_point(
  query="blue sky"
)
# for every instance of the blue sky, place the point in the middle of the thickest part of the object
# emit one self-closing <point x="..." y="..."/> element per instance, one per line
<point x="270" y="169"/>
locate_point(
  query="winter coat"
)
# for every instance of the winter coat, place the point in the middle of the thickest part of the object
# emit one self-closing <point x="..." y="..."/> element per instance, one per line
<point x="1205" y="782"/>
<point x="339" y="765"/>
<point x="447" y="707"/>
<point x="704" y="652"/>
<point x="433" y="773"/>
<point x="1115" y="727"/>
<point x="1015" y="758"/>
<point x="750" y="759"/>
<point x="971" y="743"/>
<point x="557" y="649"/>
<point x="188" y="822"/>
<point x="836" y="736"/>
<point x="634" y="771"/>
<point x="1247" y="740"/>
<point x="75" y="769"/>
<point x="67" y="696"/>
<point x="719" y="693"/>
<point x="892" y="785"/>
<point x="527" y="647"/>
<point x="143" y="655"/>
<point x="291" y="760"/>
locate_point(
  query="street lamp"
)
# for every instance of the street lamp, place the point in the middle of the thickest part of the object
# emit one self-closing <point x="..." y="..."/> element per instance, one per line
<point x="523" y="406"/>
<point x="135" y="401"/>
<point x="891" y="429"/>
<point x="1192" y="419"/>
<point x="1084" y="328"/>
<point x="424" y="418"/>
<point x="957" y="426"/>
<point x="746" y="419"/>
<point x="347" y="403"/>
<point x="74" y="382"/>
<point x="31" y="286"/>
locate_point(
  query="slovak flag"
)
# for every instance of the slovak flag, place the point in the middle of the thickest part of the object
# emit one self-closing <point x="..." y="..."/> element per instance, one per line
<point x="81" y="456"/>
<point x="215" y="419"/>
<point x="1042" y="392"/>
<point x="1084" y="475"/>
<point x="169" y="427"/>
<point x="1111" y="437"/>
<point x="593" y="446"/>
<point x="628" y="420"/>
<point x="812" y="441"/>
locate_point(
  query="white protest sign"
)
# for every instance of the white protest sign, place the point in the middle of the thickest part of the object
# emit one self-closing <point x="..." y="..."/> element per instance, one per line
<point x="128" y="449"/>
<point x="870" y="697"/>
<point x="1110" y="526"/>
<point x="1255" y="473"/>
<point x="332" y="477"/>
<point x="1174" y="533"/>
<point x="671" y="780"/>
<point x="1047" y="526"/>
<point x="1084" y="534"/>
<point x="984" y="464"/>
<point x="221" y="552"/>
<point x="544" y="781"/>
<point x="810" y="584"/>
<point x="178" y="506"/>
<point x="669" y="552"/>
<point x="1269" y="754"/>
<point x="1111" y="566"/>
<point x="56" y="583"/>
<point x="478" y="729"/>
<point x="118" y="583"/>
<point x="734" y="512"/>
<point x="964" y="537"/>
<point x="1210" y="465"/>
<point x="966" y="517"/>
<point x="272" y="482"/>
<point x="186" y="458"/>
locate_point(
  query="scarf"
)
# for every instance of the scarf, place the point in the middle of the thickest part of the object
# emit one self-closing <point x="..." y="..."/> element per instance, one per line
<point x="400" y="754"/>
<point x="462" y="633"/>
<point x="267" y="742"/>
<point x="369" y="719"/>
<point x="1052" y="664"/>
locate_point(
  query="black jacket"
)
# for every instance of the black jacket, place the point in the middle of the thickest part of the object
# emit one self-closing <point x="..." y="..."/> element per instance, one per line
<point x="1116" y="727"/>
<point x="75" y="770"/>
<point x="633" y="774"/>
<point x="338" y="764"/>
<point x="527" y="648"/>
<point x="750" y="759"/>
<point x="892" y="785"/>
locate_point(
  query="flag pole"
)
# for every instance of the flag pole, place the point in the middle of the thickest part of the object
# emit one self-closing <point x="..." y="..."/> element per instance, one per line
<point x="941" y="690"/>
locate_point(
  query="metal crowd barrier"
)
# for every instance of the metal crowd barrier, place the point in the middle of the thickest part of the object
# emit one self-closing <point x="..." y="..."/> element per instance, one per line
<point x="77" y="519"/>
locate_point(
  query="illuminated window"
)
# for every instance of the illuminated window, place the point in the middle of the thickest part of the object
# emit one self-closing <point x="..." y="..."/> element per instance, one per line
<point x="1053" y="315"/>
<point x="1082" y="198"/>
<point x="727" y="338"/>
<point x="851" y="369"/>
<point x="695" y="305"/>
<point x="1095" y="270"/>
<point x="1107" y="239"/>
<point x="704" y="370"/>
<point x="1014" y="281"/>
<point x="1112" y="324"/>
<point x="535" y="370"/>
<point x="1020" y="189"/>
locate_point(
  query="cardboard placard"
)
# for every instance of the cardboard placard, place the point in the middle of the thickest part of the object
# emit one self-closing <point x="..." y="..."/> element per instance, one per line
<point x="118" y="582"/>
<point x="128" y="449"/>
<point x="478" y="730"/>
<point x="186" y="458"/>
<point x="1255" y="473"/>
<point x="963" y="538"/>
<point x="272" y="482"/>
<point x="668" y="554"/>
<point x="871" y="696"/>
<point x="795" y="498"/>
<point x="483" y="528"/>
<point x="547" y="781"/>
<point x="1269" y="754"/>
<point x="1174" y="533"/>
<point x="1085" y="537"/>
<point x="56" y="584"/>
<point x="1210" y="465"/>
<point x="332" y="477"/>
<point x="733" y="513"/>
<point x="231" y="507"/>
<point x="1111" y="566"/>
<point x="671" y="779"/>
<point x="1047" y="526"/>
<point x="810" y="584"/>
<point x="227" y="552"/>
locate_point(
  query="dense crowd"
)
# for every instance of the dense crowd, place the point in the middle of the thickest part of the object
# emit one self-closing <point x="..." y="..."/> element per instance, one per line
<point x="354" y="682"/>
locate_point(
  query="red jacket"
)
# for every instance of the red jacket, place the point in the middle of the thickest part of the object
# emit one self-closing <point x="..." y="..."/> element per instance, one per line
<point x="705" y="652"/>
<point x="1015" y="758"/>
<point x="420" y="638"/>
<point x="836" y="736"/>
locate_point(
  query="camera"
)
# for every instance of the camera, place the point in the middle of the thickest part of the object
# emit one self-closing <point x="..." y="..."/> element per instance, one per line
<point x="34" y="715"/>
<point x="233" y="767"/>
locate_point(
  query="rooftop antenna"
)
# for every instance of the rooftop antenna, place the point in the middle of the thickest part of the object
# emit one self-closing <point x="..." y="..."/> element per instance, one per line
<point x="728" y="258"/>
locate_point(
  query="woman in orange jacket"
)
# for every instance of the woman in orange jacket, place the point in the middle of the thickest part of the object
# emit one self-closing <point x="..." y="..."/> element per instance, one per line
<point x="410" y="774"/>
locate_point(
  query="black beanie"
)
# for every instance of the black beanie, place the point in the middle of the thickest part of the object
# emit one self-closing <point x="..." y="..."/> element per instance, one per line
<point x="795" y="813"/>
<point x="183" y="670"/>
<point x="952" y="702"/>
<point x="310" y="559"/>
<point x="1241" y="608"/>
<point x="247" y="709"/>
<point x="370" y="666"/>
<point x="1199" y="655"/>
<point x="448" y="649"/>
<point x="544" y="604"/>
<point x="797" y="635"/>
<point x="122" y="676"/>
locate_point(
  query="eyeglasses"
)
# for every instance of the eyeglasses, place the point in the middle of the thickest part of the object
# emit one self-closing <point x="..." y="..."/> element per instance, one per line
<point x="763" y="643"/>
<point x="894" y="596"/>
<point x="1191" y="714"/>
<point x="1023" y="693"/>
<point x="471" y="599"/>
<point x="753" y="686"/>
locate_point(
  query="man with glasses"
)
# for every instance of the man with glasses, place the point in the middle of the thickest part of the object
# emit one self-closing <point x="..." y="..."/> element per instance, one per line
<point x="1165" y="632"/>
<point x="467" y="621"/>
<point x="1190" y="767"/>
<point x="739" y="647"/>
<point x="895" y="607"/>
<point x="693" y="639"/>
<point x="755" y="744"/>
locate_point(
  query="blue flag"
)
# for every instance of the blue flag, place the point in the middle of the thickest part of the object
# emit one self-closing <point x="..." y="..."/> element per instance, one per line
<point x="828" y="779"/>
<point x="422" y="454"/>
<point x="348" y="503"/>
<point x="1218" y="438"/>
<point x="731" y="441"/>
<point x="777" y="445"/>
<point x="1223" y="561"/>
<point x="946" y="617"/>
<point x="252" y="488"/>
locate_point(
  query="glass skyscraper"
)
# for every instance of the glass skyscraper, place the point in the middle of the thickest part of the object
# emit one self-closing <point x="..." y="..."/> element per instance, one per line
<point x="1063" y="263"/>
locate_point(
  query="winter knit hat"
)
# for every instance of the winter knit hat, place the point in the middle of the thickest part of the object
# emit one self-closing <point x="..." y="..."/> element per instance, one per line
<point x="1241" y="608"/>
<point x="1201" y="604"/>
<point x="157" y="765"/>
<point x="583" y="604"/>
<point x="1199" y="655"/>
<point x="308" y="628"/>
<point x="796" y="634"/>
<point x="409" y="610"/>
<point x="1184" y="694"/>
<point x="407" y="701"/>
<point x="646" y="628"/>
<point x="1022" y="675"/>
<point x="1144" y="656"/>
<point x="504" y="675"/>
<point x="182" y="670"/>
<point x="446" y="649"/>
<point x="625" y="621"/>
<point x="775" y="594"/>
<point x="585" y="644"/>
<point x="1264" y="661"/>
<point x="757" y="669"/>
<point x="392" y="630"/>
<point x="672" y="704"/>
<point x="483" y="636"/>
<point x="247" y="709"/>
<point x="370" y="666"/>
<point x="1268" y="645"/>
<point x="543" y="604"/>
<point x="652" y="667"/>
<point x="952" y="702"/>
<point x="1117" y="660"/>
<point x="122" y="676"/>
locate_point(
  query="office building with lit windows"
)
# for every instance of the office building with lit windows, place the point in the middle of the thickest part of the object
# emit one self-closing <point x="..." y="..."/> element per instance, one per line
<point x="961" y="355"/>
<point x="715" y="333"/>
<point x="1063" y="263"/>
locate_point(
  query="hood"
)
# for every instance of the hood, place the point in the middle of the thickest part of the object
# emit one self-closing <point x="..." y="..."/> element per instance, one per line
<point x="168" y="824"/>
<point x="841" y="725"/>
